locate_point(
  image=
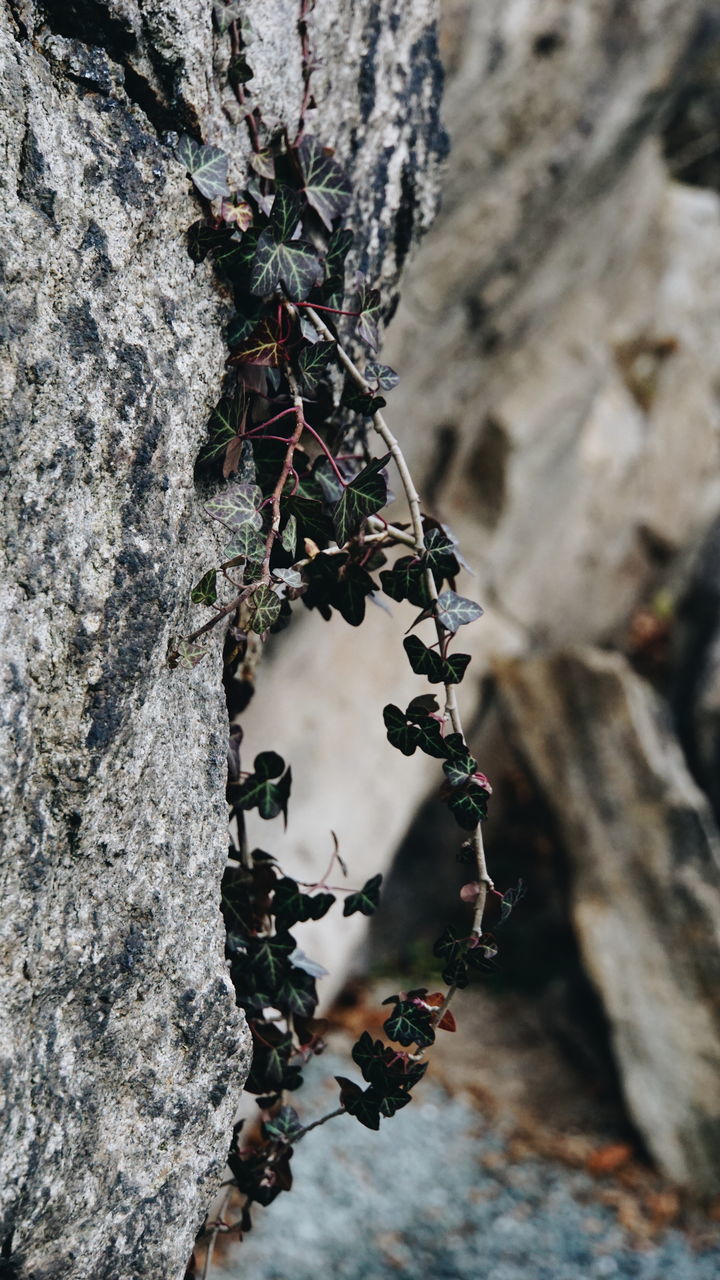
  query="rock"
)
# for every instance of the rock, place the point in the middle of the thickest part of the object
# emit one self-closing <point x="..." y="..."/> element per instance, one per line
<point x="123" y="1052"/>
<point x="644" y="853"/>
<point x="557" y="325"/>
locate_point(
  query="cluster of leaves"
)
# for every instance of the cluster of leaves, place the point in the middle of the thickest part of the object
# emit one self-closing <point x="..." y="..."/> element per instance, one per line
<point x="298" y="497"/>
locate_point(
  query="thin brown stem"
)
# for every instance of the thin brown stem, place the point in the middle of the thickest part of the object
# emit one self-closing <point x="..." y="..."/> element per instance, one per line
<point x="316" y="1123"/>
<point x="285" y="470"/>
<point x="413" y="500"/>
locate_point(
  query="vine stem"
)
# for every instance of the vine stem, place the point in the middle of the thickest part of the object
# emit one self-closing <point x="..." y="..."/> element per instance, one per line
<point x="284" y="471"/>
<point x="216" y="1231"/>
<point x="340" y="1111"/>
<point x="413" y="500"/>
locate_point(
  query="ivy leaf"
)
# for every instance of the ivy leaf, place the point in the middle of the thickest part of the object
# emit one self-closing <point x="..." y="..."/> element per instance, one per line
<point x="400" y="734"/>
<point x="455" y="611"/>
<point x="187" y="654"/>
<point x="261" y="791"/>
<point x="327" y="186"/>
<point x="206" y="165"/>
<point x="236" y="255"/>
<point x="248" y="545"/>
<point x="436" y="669"/>
<point x="365" y="494"/>
<point x="339" y="245"/>
<point x="363" y="1104"/>
<point x="312" y="360"/>
<point x="203" y="239"/>
<point x="459" y="770"/>
<point x="290" y="577"/>
<point x="285" y="1125"/>
<point x="430" y="739"/>
<point x="243" y="323"/>
<point x="348" y="596"/>
<point x="205" y="591"/>
<point x="291" y="906"/>
<point x="263" y="347"/>
<point x="288" y="538"/>
<point x="226" y="422"/>
<point x="295" y="266"/>
<point x="394" y="1097"/>
<point x="407" y="581"/>
<point x="269" y="960"/>
<point x="365" y="900"/>
<point x="440" y="555"/>
<point x="410" y="1023"/>
<point x="359" y="401"/>
<point x="382" y="374"/>
<point x="266" y="606"/>
<point x="297" y="993"/>
<point x="312" y="519"/>
<point x="279" y="259"/>
<point x="236" y="506"/>
<point x="366" y="302"/>
<point x="236" y="214"/>
<point x="271" y="1050"/>
<point x="468" y="806"/>
<point x="368" y="1054"/>
<point x="510" y="900"/>
<point x="263" y="162"/>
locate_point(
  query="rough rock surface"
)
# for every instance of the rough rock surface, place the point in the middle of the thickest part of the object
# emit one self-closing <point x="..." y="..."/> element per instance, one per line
<point x="122" y="1052"/>
<point x="645" y="858"/>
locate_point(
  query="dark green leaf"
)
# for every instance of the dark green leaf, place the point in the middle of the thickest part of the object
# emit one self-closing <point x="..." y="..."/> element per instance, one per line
<point x="327" y="186"/>
<point x="366" y="302"/>
<point x="338" y="246"/>
<point x="268" y="764"/>
<point x="400" y="734"/>
<point x="366" y="494"/>
<point x="358" y="401"/>
<point x="410" y="1023"/>
<point x="239" y="70"/>
<point x="382" y="374"/>
<point x="407" y="580"/>
<point x="203" y="239"/>
<point x="459" y="769"/>
<point x="285" y="213"/>
<point x="266" y="606"/>
<point x="312" y="520"/>
<point x="312" y="360"/>
<point x="294" y="265"/>
<point x="247" y="544"/>
<point x="269" y="960"/>
<point x="206" y="165"/>
<point x="237" y="505"/>
<point x="261" y="792"/>
<point x="430" y="739"/>
<point x="263" y="162"/>
<point x="394" y="1097"/>
<point x="205" y="591"/>
<point x="365" y="900"/>
<point x="353" y="586"/>
<point x="271" y="1050"/>
<point x="468" y="806"/>
<point x="290" y="905"/>
<point x="264" y="346"/>
<point x="363" y="1104"/>
<point x="428" y="662"/>
<point x="440" y="555"/>
<point x="235" y="258"/>
<point x="243" y="324"/>
<point x="454" y="611"/>
<point x="285" y="1125"/>
<point x="297" y="993"/>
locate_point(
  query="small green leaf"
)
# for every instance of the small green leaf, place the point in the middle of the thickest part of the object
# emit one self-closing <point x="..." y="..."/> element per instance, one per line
<point x="285" y="1125"/>
<point x="365" y="900"/>
<point x="455" y="611"/>
<point x="410" y="1023"/>
<point x="288" y="538"/>
<point x="263" y="347"/>
<point x="247" y="543"/>
<point x="440" y="555"/>
<point x="205" y="591"/>
<point x="266" y="606"/>
<point x="261" y="791"/>
<point x="237" y="505"/>
<point x="263" y="162"/>
<point x="382" y="374"/>
<point x="294" y="265"/>
<point x="339" y="244"/>
<point x="427" y="662"/>
<point x="459" y="769"/>
<point x="366" y="494"/>
<point x="291" y="906"/>
<point x="285" y="213"/>
<point x="312" y="360"/>
<point x="187" y="654"/>
<point x="297" y="993"/>
<point x="207" y="166"/>
<point x="400" y="734"/>
<point x="327" y="186"/>
<point x="366" y="302"/>
<point x="468" y="805"/>
<point x="407" y="580"/>
<point x="244" y="323"/>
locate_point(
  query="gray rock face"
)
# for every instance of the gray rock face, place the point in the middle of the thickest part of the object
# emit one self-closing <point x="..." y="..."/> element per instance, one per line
<point x="123" y="1055"/>
<point x="645" y="858"/>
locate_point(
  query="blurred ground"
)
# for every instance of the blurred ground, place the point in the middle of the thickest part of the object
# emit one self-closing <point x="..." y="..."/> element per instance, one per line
<point x="510" y="1165"/>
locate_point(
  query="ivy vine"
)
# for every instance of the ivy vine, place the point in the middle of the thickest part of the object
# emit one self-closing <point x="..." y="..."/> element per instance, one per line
<point x="300" y="501"/>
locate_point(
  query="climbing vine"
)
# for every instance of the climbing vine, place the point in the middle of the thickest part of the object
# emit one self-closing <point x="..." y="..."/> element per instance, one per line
<point x="299" y="499"/>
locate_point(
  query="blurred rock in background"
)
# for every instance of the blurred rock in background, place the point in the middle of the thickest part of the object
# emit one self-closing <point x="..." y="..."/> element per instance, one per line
<point x="558" y="346"/>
